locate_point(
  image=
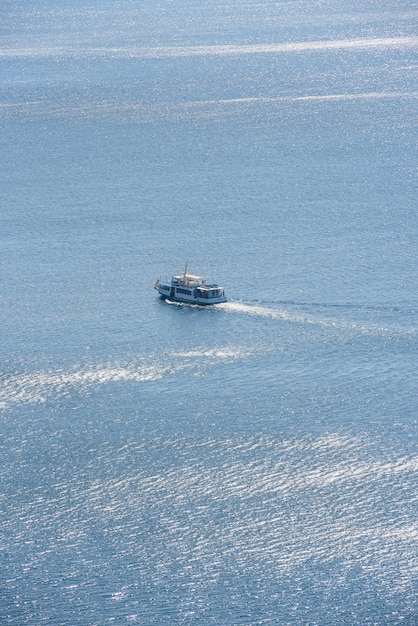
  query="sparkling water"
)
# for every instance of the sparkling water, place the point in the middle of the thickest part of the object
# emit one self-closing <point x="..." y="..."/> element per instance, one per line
<point x="246" y="464"/>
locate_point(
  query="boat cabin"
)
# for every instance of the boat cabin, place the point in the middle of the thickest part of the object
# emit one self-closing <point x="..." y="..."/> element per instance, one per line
<point x="191" y="289"/>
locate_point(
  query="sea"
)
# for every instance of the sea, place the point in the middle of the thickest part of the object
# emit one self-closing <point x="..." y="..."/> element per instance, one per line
<point x="252" y="463"/>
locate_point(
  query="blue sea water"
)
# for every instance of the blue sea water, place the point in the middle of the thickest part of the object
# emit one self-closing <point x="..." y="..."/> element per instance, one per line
<point x="247" y="464"/>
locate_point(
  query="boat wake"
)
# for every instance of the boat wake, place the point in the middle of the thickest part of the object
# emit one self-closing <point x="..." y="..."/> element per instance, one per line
<point x="42" y="386"/>
<point x="162" y="52"/>
<point x="317" y="318"/>
<point x="260" y="310"/>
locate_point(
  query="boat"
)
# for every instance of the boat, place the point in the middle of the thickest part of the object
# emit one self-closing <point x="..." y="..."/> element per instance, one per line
<point x="190" y="289"/>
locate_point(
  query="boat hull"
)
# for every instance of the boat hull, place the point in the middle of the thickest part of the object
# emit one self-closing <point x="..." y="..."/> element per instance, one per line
<point x="198" y="301"/>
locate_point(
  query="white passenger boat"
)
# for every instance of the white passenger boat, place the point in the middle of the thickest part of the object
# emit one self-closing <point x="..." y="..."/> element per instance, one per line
<point x="190" y="289"/>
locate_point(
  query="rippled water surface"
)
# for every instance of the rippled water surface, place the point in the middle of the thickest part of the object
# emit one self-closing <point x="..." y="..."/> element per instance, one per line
<point x="246" y="464"/>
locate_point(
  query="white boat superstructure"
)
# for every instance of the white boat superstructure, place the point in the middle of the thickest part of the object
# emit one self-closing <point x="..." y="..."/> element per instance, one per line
<point x="190" y="289"/>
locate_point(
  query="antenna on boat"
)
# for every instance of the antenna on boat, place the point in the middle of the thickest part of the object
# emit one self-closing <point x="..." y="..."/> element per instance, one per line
<point x="185" y="269"/>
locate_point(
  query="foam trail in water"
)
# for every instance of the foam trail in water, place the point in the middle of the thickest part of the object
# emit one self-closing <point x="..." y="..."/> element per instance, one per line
<point x="215" y="50"/>
<point x="372" y="95"/>
<point x="302" y="46"/>
<point x="253" y="309"/>
<point x="181" y="110"/>
<point x="38" y="387"/>
<point x="259" y="310"/>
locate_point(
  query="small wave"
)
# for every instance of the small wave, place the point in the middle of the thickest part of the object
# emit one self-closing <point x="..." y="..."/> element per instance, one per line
<point x="365" y="95"/>
<point x="134" y="52"/>
<point x="336" y="460"/>
<point x="190" y="109"/>
<point x="39" y="387"/>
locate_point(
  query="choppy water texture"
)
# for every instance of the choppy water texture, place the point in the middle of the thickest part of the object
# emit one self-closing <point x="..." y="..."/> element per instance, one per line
<point x="246" y="464"/>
